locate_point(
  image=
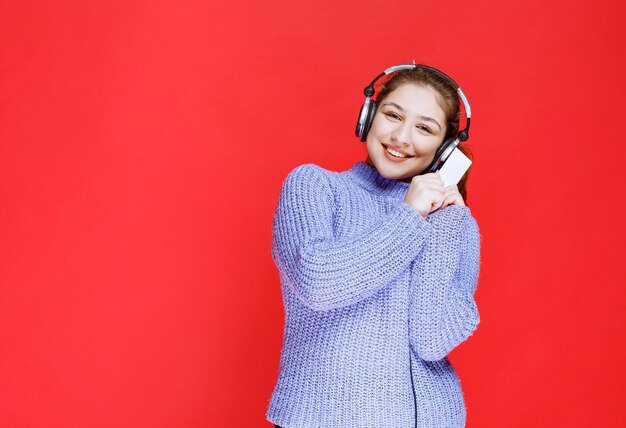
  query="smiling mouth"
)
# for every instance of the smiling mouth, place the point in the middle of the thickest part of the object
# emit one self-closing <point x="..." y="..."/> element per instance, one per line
<point x="395" y="153"/>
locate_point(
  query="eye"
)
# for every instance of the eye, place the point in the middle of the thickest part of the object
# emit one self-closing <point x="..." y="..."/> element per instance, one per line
<point x="392" y="115"/>
<point x="424" y="128"/>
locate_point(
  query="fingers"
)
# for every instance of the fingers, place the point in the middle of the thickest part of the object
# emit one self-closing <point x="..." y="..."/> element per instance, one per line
<point x="452" y="196"/>
<point x="432" y="180"/>
<point x="430" y="189"/>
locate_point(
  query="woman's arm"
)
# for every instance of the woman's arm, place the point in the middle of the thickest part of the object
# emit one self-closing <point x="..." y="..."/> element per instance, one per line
<point x="327" y="272"/>
<point x="444" y="277"/>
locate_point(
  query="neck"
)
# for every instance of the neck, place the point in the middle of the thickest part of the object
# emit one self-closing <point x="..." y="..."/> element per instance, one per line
<point x="368" y="161"/>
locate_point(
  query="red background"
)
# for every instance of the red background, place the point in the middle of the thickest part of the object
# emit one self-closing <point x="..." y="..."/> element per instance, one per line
<point x="142" y="148"/>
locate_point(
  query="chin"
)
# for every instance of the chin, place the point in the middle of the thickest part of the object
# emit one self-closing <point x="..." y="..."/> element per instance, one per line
<point x="391" y="172"/>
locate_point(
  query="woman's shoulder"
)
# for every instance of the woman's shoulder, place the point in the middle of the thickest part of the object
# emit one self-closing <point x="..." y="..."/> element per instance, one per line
<point x="311" y="169"/>
<point x="308" y="184"/>
<point x="310" y="173"/>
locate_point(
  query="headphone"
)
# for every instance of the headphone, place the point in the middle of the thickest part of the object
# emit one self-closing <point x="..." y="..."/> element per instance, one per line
<point x="368" y="110"/>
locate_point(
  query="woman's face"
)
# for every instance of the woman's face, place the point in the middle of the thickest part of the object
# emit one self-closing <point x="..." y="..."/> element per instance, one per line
<point x="410" y="121"/>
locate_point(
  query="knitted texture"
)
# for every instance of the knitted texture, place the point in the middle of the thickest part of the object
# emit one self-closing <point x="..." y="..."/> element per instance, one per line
<point x="375" y="297"/>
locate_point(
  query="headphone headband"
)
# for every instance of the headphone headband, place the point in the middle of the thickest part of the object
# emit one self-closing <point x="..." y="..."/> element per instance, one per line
<point x="369" y="90"/>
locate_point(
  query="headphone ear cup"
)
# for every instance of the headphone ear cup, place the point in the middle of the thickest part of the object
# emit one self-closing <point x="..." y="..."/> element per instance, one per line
<point x="358" y="132"/>
<point x="369" y="119"/>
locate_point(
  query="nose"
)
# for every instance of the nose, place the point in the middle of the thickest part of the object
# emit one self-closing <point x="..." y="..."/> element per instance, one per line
<point x="402" y="134"/>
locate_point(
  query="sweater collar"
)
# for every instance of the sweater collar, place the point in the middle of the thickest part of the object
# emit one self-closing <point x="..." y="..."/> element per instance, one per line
<point x="369" y="178"/>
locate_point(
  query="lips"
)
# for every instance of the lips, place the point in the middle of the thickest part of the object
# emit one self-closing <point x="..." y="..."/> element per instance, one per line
<point x="397" y="150"/>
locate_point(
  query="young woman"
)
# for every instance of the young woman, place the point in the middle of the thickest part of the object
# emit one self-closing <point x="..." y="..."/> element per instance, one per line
<point x="378" y="268"/>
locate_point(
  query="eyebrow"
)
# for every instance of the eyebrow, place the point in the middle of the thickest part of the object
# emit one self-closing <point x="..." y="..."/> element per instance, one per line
<point x="426" y="118"/>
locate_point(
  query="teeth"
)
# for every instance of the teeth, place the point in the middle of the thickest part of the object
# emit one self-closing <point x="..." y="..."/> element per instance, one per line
<point x="396" y="154"/>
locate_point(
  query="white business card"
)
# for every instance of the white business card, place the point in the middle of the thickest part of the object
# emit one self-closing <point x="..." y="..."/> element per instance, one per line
<point x="455" y="166"/>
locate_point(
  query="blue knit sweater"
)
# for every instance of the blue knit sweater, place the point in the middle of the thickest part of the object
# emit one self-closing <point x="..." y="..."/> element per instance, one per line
<point x="375" y="297"/>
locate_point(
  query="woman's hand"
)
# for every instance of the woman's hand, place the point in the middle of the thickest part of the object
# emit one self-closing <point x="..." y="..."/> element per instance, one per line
<point x="452" y="196"/>
<point x="427" y="193"/>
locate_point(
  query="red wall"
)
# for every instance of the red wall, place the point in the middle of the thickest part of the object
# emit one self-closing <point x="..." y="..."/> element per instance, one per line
<point x="142" y="148"/>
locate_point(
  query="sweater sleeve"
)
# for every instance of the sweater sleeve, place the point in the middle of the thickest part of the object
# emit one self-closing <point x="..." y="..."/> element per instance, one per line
<point x="443" y="312"/>
<point x="326" y="272"/>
